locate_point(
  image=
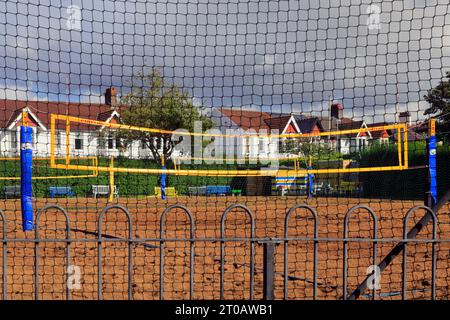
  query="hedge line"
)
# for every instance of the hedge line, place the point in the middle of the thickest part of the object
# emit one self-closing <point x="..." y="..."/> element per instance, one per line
<point x="407" y="184"/>
<point x="129" y="184"/>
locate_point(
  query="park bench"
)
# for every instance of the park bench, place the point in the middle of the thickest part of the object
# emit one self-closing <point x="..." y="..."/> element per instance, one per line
<point x="170" y="191"/>
<point x="322" y="188"/>
<point x="197" y="191"/>
<point x="213" y="190"/>
<point x="60" y="191"/>
<point x="99" y="189"/>
<point x="218" y="190"/>
<point x="12" y="191"/>
<point x="290" y="185"/>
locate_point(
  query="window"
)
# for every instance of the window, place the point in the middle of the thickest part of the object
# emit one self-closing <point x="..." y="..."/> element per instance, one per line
<point x="118" y="143"/>
<point x="78" y="143"/>
<point x="14" y="140"/>
<point x="110" y="143"/>
<point x="262" y="146"/>
<point x="58" y="139"/>
<point x="143" y="145"/>
<point x="101" y="143"/>
<point x="247" y="146"/>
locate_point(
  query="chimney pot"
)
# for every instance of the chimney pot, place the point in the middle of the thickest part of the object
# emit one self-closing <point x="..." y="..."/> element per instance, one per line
<point x="404" y="117"/>
<point x="110" y="97"/>
<point x="336" y="110"/>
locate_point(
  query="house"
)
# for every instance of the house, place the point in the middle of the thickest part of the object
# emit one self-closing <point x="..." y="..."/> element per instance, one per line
<point x="88" y="140"/>
<point x="84" y="140"/>
<point x="241" y="120"/>
<point x="39" y="113"/>
<point x="253" y="123"/>
<point x="257" y="126"/>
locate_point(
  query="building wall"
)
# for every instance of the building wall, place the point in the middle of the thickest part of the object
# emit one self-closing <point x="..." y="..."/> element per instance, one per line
<point x="7" y="142"/>
<point x="351" y="145"/>
<point x="91" y="145"/>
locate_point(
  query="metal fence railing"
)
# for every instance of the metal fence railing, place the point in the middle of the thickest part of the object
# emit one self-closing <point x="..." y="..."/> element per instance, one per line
<point x="300" y="264"/>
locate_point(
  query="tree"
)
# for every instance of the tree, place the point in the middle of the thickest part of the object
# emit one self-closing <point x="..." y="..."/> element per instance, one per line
<point x="439" y="100"/>
<point x="154" y="103"/>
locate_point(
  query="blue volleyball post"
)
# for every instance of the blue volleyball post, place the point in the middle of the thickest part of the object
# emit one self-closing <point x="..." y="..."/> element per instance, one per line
<point x="310" y="178"/>
<point x="26" y="173"/>
<point x="432" y="150"/>
<point x="163" y="179"/>
<point x="310" y="184"/>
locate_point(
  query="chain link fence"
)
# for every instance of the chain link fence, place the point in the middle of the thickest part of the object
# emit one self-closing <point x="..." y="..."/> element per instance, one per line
<point x="189" y="257"/>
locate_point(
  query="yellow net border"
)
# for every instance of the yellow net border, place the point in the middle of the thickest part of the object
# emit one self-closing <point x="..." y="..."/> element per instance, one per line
<point x="402" y="146"/>
<point x="94" y="164"/>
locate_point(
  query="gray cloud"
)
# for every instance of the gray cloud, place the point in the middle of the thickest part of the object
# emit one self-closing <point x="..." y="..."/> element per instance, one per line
<point x="288" y="56"/>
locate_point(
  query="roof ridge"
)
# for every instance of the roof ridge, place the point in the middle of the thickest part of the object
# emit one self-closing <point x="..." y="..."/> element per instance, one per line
<point x="55" y="102"/>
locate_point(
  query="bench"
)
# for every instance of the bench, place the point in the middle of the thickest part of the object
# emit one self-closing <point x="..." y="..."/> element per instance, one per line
<point x="12" y="191"/>
<point x="212" y="190"/>
<point x="290" y="185"/>
<point x="60" y="191"/>
<point x="103" y="190"/>
<point x="322" y="188"/>
<point x="197" y="191"/>
<point x="170" y="191"/>
<point x="218" y="190"/>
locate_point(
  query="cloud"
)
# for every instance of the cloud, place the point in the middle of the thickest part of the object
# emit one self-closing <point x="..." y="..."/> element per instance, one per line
<point x="278" y="55"/>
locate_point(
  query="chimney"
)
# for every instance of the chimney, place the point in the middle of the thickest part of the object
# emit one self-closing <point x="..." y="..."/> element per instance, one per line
<point x="404" y="117"/>
<point x="110" y="97"/>
<point x="337" y="111"/>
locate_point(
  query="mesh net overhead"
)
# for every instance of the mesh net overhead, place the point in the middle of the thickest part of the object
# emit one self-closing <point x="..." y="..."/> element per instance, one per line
<point x="205" y="124"/>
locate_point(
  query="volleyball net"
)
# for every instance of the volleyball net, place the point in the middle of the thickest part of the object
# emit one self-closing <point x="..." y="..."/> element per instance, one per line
<point x="43" y="170"/>
<point x="190" y="163"/>
<point x="308" y="153"/>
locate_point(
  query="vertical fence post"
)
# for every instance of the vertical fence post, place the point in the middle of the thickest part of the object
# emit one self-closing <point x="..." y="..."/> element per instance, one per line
<point x="269" y="270"/>
<point x="111" y="180"/>
<point x="4" y="253"/>
<point x="163" y="179"/>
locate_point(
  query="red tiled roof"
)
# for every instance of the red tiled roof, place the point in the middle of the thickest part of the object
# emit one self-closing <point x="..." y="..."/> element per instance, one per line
<point x="306" y="125"/>
<point x="380" y="133"/>
<point x="105" y="115"/>
<point x="257" y="120"/>
<point x="13" y="116"/>
<point x="247" y="119"/>
<point x="10" y="109"/>
<point x="350" y="125"/>
<point x="278" y="123"/>
<point x="412" y="136"/>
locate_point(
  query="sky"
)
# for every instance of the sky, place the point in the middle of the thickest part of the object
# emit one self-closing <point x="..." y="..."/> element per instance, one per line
<point x="377" y="58"/>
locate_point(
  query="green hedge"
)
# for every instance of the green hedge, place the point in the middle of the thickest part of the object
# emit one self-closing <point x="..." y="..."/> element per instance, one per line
<point x="407" y="184"/>
<point x="129" y="184"/>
